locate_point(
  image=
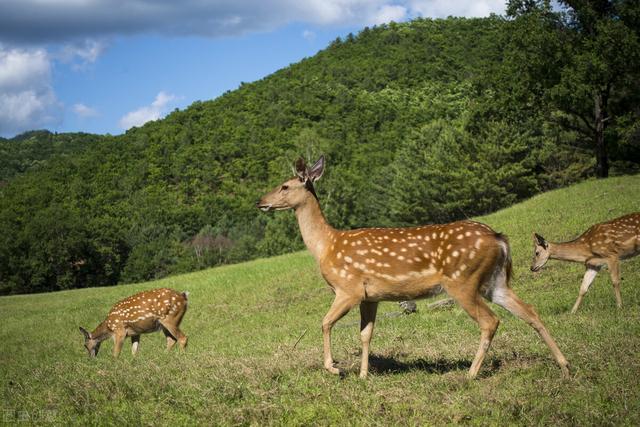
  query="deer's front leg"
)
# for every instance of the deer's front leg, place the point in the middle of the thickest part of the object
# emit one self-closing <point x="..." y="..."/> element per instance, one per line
<point x="341" y="306"/>
<point x="368" y="312"/>
<point x="135" y="343"/>
<point x="118" y="339"/>
<point x="589" y="275"/>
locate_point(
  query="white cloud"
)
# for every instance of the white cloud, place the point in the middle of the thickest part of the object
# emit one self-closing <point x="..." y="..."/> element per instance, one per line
<point x="444" y="8"/>
<point x="82" y="53"/>
<point x="308" y="35"/>
<point x="388" y="13"/>
<point x="27" y="100"/>
<point x="38" y="21"/>
<point x="150" y="112"/>
<point x="84" y="111"/>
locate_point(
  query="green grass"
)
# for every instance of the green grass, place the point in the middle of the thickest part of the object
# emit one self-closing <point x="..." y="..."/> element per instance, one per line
<point x="255" y="349"/>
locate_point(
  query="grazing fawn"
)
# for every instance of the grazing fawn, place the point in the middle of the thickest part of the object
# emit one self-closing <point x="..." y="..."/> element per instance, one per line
<point x="144" y="312"/>
<point x="465" y="259"/>
<point x="602" y="244"/>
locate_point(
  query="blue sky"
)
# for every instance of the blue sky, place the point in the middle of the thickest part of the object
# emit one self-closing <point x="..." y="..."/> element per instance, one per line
<point x="102" y="66"/>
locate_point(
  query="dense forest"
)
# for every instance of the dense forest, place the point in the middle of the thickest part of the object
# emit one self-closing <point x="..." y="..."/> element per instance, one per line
<point x="426" y="121"/>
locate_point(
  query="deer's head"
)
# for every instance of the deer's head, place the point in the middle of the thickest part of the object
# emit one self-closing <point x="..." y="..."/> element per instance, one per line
<point x="540" y="252"/>
<point x="295" y="191"/>
<point x="92" y="345"/>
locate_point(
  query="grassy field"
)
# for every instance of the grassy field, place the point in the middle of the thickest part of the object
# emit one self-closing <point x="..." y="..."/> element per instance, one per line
<point x="255" y="349"/>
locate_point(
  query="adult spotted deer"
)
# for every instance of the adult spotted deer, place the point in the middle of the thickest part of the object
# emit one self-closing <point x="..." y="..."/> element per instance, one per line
<point x="465" y="259"/>
<point x="603" y="244"/>
<point x="144" y="312"/>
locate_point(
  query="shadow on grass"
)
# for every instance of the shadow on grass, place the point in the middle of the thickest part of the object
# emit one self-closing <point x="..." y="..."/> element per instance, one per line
<point x="382" y="365"/>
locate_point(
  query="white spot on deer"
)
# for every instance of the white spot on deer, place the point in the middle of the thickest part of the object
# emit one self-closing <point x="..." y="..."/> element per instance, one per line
<point x="463" y="267"/>
<point x="348" y="259"/>
<point x="392" y="253"/>
<point x="449" y="246"/>
<point x="455" y="253"/>
<point x="478" y="243"/>
<point x="339" y="255"/>
<point x="434" y="235"/>
<point x="379" y="264"/>
<point x="459" y="236"/>
<point x="417" y="259"/>
<point x="385" y="249"/>
<point x="412" y="245"/>
<point x="345" y="242"/>
<point x="400" y="258"/>
<point x="386" y="264"/>
<point x="403" y="249"/>
<point x="450" y="231"/>
<point x="472" y="254"/>
<point x="362" y="251"/>
<point x="375" y="251"/>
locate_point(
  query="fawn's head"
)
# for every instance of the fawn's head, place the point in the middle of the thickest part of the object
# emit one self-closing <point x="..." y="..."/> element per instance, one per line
<point x="92" y="345"/>
<point x="540" y="252"/>
<point x="293" y="192"/>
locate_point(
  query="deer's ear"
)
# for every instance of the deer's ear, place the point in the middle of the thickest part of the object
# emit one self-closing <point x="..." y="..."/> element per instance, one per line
<point x="316" y="171"/>
<point x="301" y="169"/>
<point x="539" y="240"/>
<point x="86" y="334"/>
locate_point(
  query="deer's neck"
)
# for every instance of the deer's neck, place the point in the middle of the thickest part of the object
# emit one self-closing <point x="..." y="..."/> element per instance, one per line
<point x="316" y="232"/>
<point x="101" y="332"/>
<point x="569" y="251"/>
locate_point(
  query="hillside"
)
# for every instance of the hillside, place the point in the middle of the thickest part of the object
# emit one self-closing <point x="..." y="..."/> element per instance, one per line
<point x="254" y="355"/>
<point x="425" y="121"/>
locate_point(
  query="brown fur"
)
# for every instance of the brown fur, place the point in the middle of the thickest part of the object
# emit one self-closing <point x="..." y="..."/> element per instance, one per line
<point x="465" y="259"/>
<point x="603" y="244"/>
<point x="144" y="312"/>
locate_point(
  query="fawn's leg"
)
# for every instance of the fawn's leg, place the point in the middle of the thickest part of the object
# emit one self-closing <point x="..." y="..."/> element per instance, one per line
<point x="176" y="332"/>
<point x="589" y="275"/>
<point x="614" y="270"/>
<point x="135" y="343"/>
<point x="118" y="339"/>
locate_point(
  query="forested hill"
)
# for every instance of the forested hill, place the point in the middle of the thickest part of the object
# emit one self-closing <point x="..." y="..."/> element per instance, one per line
<point x="426" y="121"/>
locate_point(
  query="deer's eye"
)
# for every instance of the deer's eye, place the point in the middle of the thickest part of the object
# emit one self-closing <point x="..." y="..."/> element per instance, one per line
<point x="537" y="253"/>
<point x="284" y="188"/>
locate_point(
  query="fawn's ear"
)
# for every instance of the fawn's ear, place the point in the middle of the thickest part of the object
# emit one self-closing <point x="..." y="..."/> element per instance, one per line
<point x="86" y="334"/>
<point x="316" y="171"/>
<point x="539" y="240"/>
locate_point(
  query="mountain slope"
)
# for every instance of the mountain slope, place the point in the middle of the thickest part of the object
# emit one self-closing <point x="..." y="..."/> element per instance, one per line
<point x="401" y="112"/>
<point x="255" y="345"/>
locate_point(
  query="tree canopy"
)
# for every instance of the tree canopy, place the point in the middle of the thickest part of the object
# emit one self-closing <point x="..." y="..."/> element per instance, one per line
<point x="426" y="121"/>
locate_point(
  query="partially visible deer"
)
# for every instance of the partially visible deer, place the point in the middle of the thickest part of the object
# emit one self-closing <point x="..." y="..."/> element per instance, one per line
<point x="144" y="312"/>
<point x="603" y="244"/>
<point x="465" y="259"/>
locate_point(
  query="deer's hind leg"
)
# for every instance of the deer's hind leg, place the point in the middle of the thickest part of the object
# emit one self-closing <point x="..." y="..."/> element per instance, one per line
<point x="614" y="270"/>
<point x="173" y="333"/>
<point x="504" y="296"/>
<point x="467" y="296"/>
